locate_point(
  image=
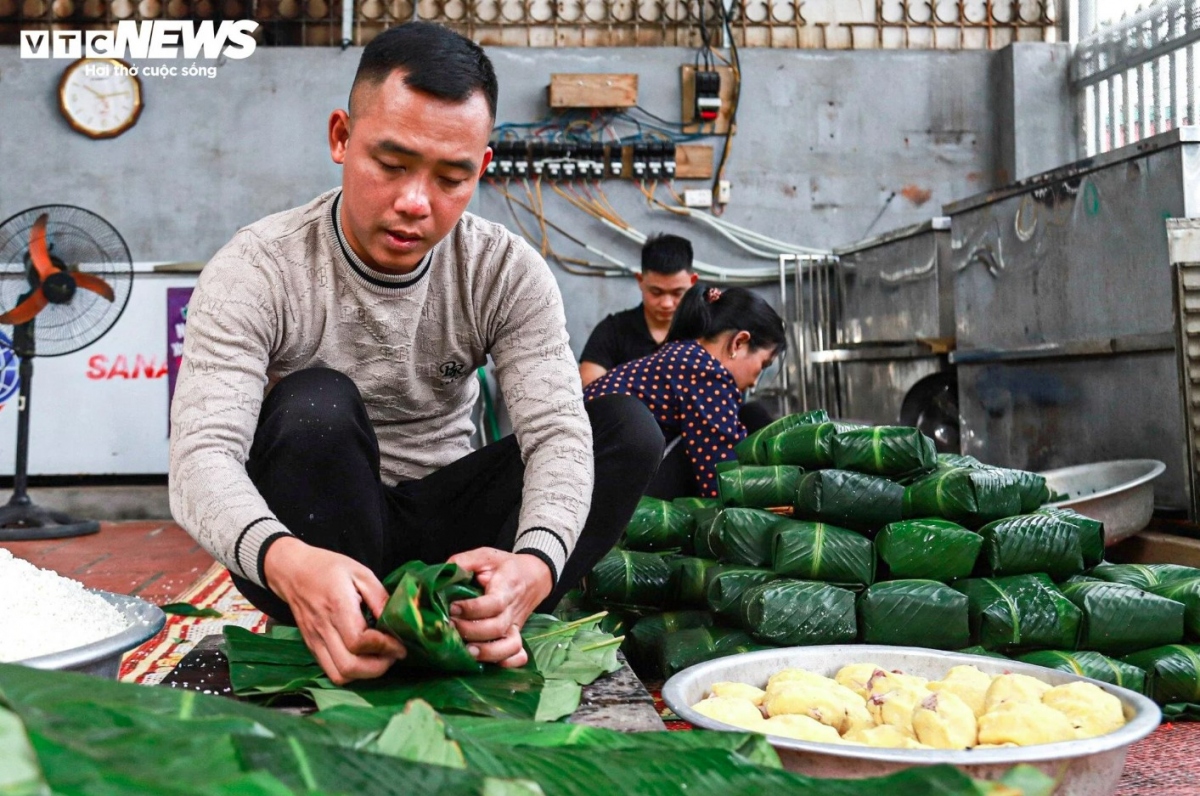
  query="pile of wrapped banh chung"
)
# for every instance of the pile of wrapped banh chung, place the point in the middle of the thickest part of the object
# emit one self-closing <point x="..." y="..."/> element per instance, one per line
<point x="889" y="542"/>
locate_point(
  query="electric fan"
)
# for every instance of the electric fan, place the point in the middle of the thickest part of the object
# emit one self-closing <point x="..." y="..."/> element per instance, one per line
<point x="65" y="278"/>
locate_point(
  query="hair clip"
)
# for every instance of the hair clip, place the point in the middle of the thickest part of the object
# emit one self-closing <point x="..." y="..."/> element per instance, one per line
<point x="712" y="294"/>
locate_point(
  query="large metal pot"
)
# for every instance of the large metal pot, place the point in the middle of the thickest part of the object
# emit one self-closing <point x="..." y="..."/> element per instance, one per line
<point x="103" y="658"/>
<point x="1090" y="767"/>
<point x="1118" y="493"/>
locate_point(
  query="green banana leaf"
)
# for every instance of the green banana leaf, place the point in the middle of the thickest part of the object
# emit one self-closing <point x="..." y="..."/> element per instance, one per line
<point x="817" y="551"/>
<point x="752" y="450"/>
<point x="744" y="536"/>
<point x="914" y="613"/>
<point x="889" y="451"/>
<point x="758" y="486"/>
<point x="850" y="500"/>
<point x="187" y="609"/>
<point x="978" y="650"/>
<point x="1030" y="486"/>
<point x="309" y="767"/>
<point x="1090" y="664"/>
<point x="658" y="525"/>
<point x="418" y="613"/>
<point x="265" y="664"/>
<point x="713" y="772"/>
<point x="1091" y="532"/>
<point x="928" y="548"/>
<point x="798" y="613"/>
<point x="577" y="650"/>
<point x="806" y="445"/>
<point x="728" y="582"/>
<point x="1144" y="575"/>
<point x="1172" y="675"/>
<point x="692" y="504"/>
<point x="970" y="497"/>
<point x="101" y="737"/>
<point x="704" y="535"/>
<point x="630" y="578"/>
<point x="647" y="636"/>
<point x="504" y="734"/>
<point x="1020" y="612"/>
<point x="959" y="460"/>
<point x="1030" y="543"/>
<point x="1119" y="619"/>
<point x="685" y="648"/>
<point x="1188" y="593"/>
<point x="20" y="774"/>
<point x="689" y="576"/>
<point x="1082" y="579"/>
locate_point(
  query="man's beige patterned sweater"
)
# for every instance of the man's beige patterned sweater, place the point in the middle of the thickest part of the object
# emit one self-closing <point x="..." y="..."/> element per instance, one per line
<point x="287" y="293"/>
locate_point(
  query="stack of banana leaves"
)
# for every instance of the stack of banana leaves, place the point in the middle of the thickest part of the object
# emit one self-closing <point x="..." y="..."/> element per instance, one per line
<point x="886" y="541"/>
<point x="565" y="655"/>
<point x="63" y="733"/>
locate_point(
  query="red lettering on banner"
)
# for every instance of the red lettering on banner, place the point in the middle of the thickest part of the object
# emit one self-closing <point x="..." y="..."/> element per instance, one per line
<point x="100" y="369"/>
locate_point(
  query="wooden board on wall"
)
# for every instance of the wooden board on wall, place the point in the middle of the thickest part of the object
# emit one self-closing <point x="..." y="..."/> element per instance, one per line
<point x="587" y="90"/>
<point x="693" y="162"/>
<point x="688" y="89"/>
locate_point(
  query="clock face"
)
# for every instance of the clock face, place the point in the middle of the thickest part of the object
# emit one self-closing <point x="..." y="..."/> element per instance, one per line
<point x="99" y="97"/>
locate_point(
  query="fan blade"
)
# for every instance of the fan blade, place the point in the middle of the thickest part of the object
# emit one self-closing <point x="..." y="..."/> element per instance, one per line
<point x="24" y="312"/>
<point x="94" y="284"/>
<point x="37" y="248"/>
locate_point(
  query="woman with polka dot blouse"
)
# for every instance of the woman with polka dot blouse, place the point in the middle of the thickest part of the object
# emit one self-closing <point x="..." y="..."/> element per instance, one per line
<point x="720" y="342"/>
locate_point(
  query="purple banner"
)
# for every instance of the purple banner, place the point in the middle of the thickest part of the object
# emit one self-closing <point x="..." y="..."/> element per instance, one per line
<point x="177" y="307"/>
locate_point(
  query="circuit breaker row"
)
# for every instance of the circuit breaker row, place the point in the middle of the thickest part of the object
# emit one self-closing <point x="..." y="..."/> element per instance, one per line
<point x="582" y="160"/>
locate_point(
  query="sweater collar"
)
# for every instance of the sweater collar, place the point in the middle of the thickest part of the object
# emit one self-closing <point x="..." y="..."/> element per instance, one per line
<point x="361" y="269"/>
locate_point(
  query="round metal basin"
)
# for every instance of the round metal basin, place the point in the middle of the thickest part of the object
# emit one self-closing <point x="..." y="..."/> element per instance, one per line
<point x="103" y="658"/>
<point x="1118" y="493"/>
<point x="1090" y="767"/>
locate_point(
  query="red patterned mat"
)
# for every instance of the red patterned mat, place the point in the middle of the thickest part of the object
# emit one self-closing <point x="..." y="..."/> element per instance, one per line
<point x="1167" y="763"/>
<point x="152" y="661"/>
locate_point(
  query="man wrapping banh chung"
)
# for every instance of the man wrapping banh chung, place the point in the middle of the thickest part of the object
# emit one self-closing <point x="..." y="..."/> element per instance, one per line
<point x="320" y="431"/>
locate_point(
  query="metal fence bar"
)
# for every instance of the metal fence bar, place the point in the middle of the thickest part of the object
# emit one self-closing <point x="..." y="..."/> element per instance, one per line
<point x="1189" y="87"/>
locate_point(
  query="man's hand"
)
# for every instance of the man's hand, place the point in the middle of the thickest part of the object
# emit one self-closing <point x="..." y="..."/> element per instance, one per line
<point x="325" y="591"/>
<point x="513" y="585"/>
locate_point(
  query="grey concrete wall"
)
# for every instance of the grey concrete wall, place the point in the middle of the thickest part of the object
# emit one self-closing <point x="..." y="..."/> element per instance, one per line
<point x="824" y="139"/>
<point x="1035" y="122"/>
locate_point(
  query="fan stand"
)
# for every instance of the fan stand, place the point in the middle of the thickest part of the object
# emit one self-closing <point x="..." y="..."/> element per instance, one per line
<point x="22" y="519"/>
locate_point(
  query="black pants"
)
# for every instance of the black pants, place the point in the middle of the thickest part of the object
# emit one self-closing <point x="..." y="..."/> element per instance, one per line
<point x="677" y="478"/>
<point x="315" y="460"/>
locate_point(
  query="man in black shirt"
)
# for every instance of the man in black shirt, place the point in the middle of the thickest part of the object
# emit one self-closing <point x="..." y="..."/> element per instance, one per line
<point x="634" y="333"/>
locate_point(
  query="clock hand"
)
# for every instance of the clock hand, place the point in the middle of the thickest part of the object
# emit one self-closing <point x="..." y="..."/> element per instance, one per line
<point x="94" y="91"/>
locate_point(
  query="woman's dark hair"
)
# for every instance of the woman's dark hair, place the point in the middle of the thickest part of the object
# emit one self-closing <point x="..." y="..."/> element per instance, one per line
<point x="434" y="59"/>
<point x="706" y="311"/>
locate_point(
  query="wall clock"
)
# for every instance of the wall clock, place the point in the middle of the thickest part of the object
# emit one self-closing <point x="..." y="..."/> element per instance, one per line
<point x="99" y="97"/>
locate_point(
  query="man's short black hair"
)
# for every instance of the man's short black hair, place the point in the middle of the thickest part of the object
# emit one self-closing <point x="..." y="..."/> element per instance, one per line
<point x="434" y="59"/>
<point x="667" y="254"/>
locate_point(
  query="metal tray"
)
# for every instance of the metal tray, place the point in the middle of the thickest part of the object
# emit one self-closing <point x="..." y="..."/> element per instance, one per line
<point x="1118" y="493"/>
<point x="1090" y="767"/>
<point x="103" y="658"/>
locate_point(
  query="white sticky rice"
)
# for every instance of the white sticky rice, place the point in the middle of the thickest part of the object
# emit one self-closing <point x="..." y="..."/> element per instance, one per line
<point x="44" y="612"/>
